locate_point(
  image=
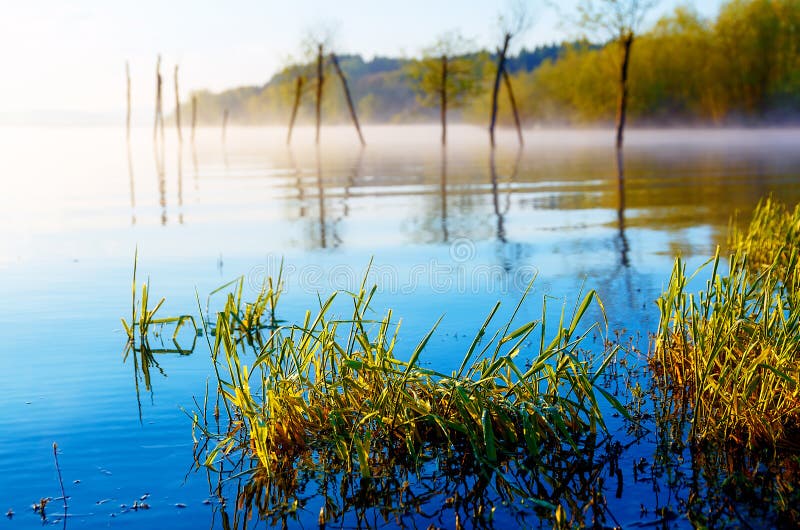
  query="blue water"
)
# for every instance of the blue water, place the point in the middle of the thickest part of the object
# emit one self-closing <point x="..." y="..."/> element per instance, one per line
<point x="444" y="239"/>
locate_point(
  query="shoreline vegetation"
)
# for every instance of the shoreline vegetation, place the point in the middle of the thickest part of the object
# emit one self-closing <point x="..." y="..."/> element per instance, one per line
<point x="741" y="68"/>
<point x="329" y="401"/>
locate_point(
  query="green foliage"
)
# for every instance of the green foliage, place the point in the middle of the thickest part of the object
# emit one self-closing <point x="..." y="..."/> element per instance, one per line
<point x="771" y="240"/>
<point x="335" y="387"/>
<point x="745" y="65"/>
<point x="466" y="74"/>
<point x="729" y="356"/>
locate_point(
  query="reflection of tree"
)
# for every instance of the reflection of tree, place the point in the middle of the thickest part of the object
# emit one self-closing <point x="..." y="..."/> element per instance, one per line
<point x="160" y="154"/>
<point x="443" y="192"/>
<point x="623" y="251"/>
<point x="180" y="182"/>
<point x="321" y="202"/>
<point x="194" y="167"/>
<point x="500" y="215"/>
<point x="132" y="181"/>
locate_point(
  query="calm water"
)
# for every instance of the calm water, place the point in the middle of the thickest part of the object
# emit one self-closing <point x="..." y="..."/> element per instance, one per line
<point x="449" y="232"/>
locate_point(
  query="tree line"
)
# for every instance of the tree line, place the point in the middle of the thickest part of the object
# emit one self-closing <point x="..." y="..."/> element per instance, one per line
<point x="741" y="67"/>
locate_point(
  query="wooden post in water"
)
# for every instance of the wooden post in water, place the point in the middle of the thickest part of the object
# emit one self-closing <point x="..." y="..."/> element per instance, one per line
<point x="298" y="92"/>
<point x="128" y="98"/>
<point x="622" y="106"/>
<point x="194" y="115"/>
<point x="320" y="81"/>
<point x="501" y="64"/>
<point x="224" y="125"/>
<point x="177" y="106"/>
<point x="349" y="99"/>
<point x="443" y="97"/>
<point x="507" y="82"/>
<point x="158" y="99"/>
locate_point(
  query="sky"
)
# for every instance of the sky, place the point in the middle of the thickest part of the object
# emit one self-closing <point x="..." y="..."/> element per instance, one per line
<point x="69" y="57"/>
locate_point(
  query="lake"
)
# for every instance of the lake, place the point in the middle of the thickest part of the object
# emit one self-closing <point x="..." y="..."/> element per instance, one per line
<point x="448" y="232"/>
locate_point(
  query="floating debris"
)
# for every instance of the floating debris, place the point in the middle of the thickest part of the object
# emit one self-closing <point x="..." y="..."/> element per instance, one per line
<point x="140" y="506"/>
<point x="180" y="505"/>
<point x="145" y="496"/>
<point x="39" y="507"/>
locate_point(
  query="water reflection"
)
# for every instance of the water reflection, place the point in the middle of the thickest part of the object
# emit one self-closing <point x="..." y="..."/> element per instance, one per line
<point x="443" y="192"/>
<point x="719" y="486"/>
<point x="194" y="165"/>
<point x="623" y="240"/>
<point x="143" y="356"/>
<point x="180" y="182"/>
<point x="451" y="491"/>
<point x="323" y="242"/>
<point x="131" y="180"/>
<point x="421" y="194"/>
<point x="160" y="154"/>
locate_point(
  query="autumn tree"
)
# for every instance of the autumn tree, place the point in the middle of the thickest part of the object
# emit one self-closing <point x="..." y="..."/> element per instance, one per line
<point x="446" y="75"/>
<point x="512" y="23"/>
<point x="619" y="20"/>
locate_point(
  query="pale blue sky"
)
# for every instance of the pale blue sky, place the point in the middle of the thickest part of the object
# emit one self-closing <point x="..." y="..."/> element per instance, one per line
<point x="70" y="56"/>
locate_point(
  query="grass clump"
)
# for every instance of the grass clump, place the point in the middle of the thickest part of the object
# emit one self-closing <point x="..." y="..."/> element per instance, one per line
<point x="729" y="356"/>
<point x="771" y="240"/>
<point x="334" y="390"/>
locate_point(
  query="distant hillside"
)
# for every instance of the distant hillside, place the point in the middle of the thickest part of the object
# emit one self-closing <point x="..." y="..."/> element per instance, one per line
<point x="380" y="89"/>
<point x="742" y="67"/>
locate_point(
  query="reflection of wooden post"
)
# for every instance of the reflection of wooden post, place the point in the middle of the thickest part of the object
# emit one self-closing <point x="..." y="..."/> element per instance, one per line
<point x="443" y="97"/>
<point x="335" y="62"/>
<point x="224" y="124"/>
<point x="507" y="82"/>
<point x="501" y="62"/>
<point x="298" y="92"/>
<point x="177" y="106"/>
<point x="622" y="106"/>
<point x="320" y="80"/>
<point x="194" y="115"/>
<point x="501" y="230"/>
<point x="128" y="114"/>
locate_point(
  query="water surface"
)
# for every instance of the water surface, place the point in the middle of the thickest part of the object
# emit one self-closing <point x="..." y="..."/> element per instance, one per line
<point x="449" y="232"/>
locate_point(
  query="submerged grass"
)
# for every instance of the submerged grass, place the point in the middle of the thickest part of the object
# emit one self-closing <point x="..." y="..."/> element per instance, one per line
<point x="729" y="356"/>
<point x="333" y="390"/>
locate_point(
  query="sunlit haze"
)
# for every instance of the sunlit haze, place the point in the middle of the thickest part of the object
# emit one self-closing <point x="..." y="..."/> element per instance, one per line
<point x="65" y="61"/>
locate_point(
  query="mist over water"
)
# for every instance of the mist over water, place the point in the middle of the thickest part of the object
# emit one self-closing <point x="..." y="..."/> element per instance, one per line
<point x="450" y="231"/>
